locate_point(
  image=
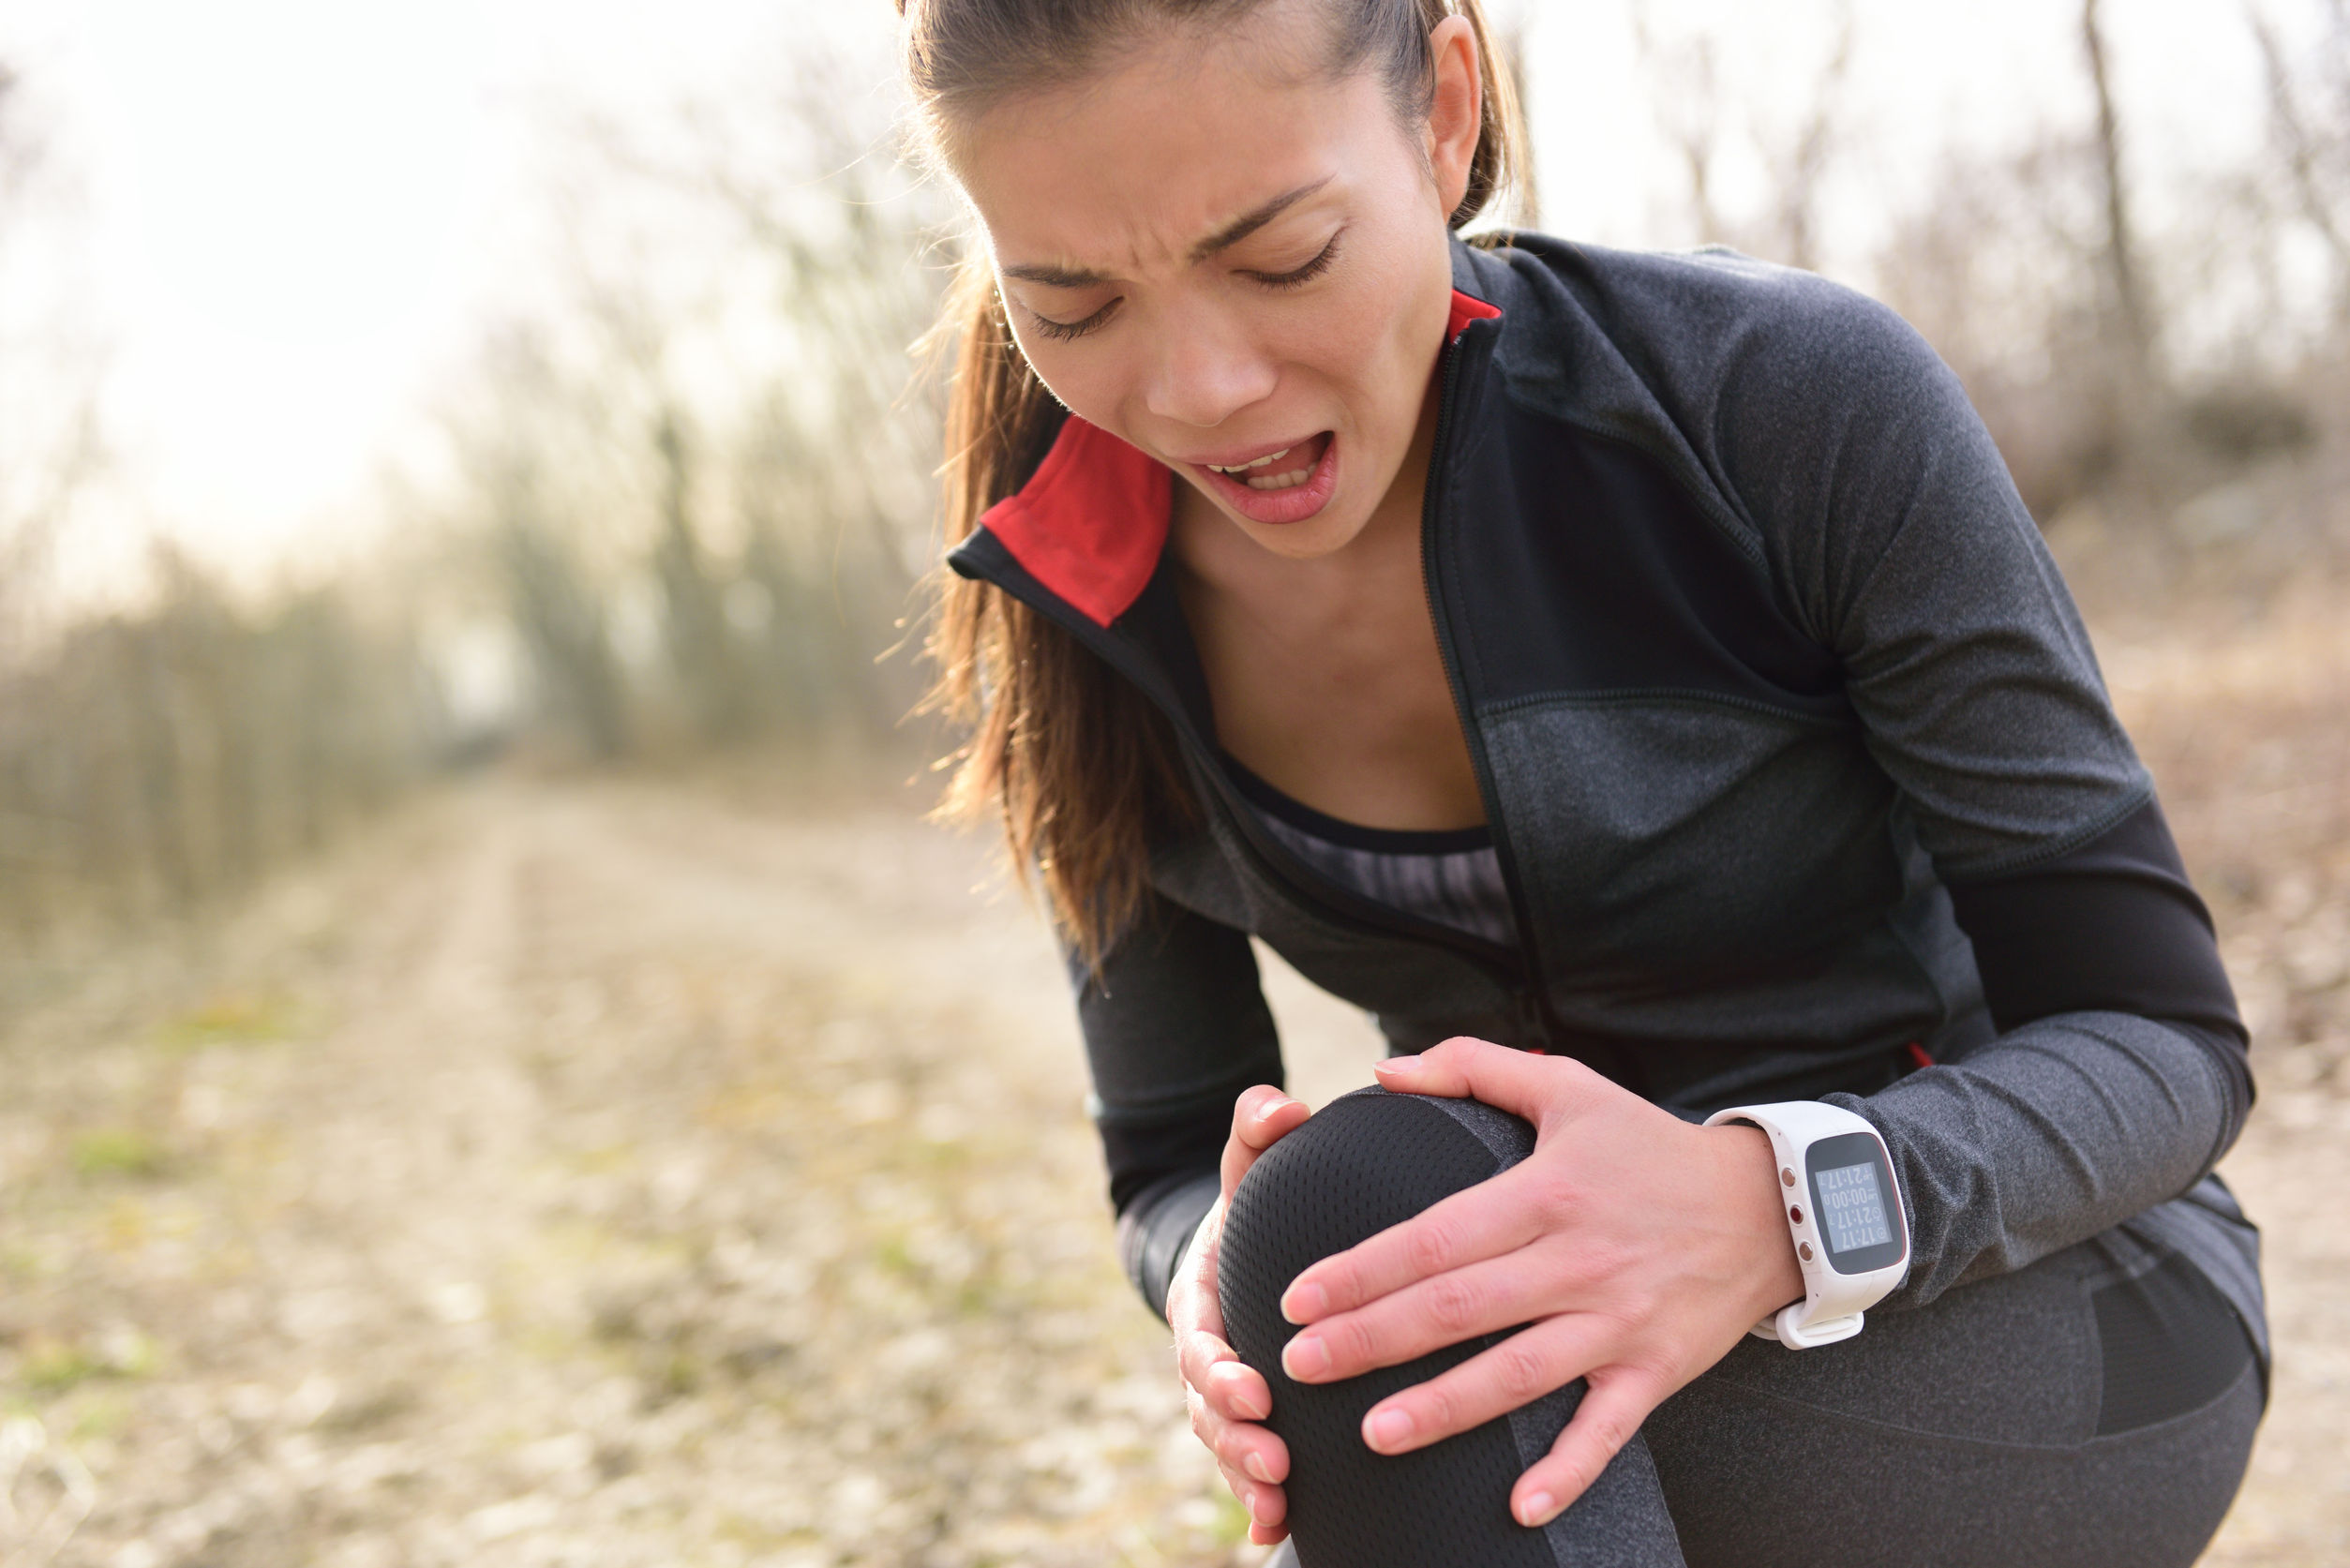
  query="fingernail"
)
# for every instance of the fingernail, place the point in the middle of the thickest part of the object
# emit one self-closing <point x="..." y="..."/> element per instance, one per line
<point x="1305" y="1303"/>
<point x="1255" y="1466"/>
<point x="1245" y="1405"/>
<point x="1537" y="1509"/>
<point x="1387" y="1429"/>
<point x="1306" y="1356"/>
<point x="1398" y="1062"/>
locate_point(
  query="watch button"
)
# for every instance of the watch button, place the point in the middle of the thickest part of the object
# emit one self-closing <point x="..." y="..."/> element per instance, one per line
<point x="1786" y="1177"/>
<point x="1796" y="1215"/>
<point x="1804" y="1251"/>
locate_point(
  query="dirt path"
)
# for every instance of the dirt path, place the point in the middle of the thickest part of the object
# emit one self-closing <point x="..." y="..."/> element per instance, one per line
<point x="587" y="1175"/>
<point x="609" y="1174"/>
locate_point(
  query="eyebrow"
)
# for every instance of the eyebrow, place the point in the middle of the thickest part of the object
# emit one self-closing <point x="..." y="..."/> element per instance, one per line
<point x="1224" y="239"/>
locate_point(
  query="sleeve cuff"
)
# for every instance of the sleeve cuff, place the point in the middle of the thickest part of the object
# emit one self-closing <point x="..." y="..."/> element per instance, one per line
<point x="1157" y="1227"/>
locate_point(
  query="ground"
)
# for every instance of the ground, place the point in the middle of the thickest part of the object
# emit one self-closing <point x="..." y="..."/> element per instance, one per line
<point x="655" y="1172"/>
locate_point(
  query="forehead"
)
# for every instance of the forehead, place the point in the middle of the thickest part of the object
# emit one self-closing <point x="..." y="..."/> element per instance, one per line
<point x="1132" y="165"/>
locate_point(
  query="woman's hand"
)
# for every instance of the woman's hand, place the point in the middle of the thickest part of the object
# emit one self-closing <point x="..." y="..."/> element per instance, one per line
<point x="1227" y="1397"/>
<point x="1635" y="1247"/>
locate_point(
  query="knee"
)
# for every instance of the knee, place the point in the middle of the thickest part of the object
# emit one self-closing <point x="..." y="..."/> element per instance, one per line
<point x="1367" y="1161"/>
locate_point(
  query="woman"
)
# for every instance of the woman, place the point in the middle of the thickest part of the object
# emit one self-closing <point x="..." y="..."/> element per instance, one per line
<point x="1637" y="674"/>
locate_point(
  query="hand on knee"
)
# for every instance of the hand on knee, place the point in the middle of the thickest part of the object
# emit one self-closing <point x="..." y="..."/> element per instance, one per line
<point x="1634" y="1248"/>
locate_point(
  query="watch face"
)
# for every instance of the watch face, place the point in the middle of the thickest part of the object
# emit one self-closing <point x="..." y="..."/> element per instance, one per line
<point x="1852" y="1195"/>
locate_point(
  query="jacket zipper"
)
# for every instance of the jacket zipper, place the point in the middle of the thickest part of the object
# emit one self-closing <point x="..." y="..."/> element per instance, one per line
<point x="1537" y="1005"/>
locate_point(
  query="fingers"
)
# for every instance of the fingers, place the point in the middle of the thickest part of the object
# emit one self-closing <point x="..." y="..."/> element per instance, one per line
<point x="1604" y="1423"/>
<point x="1216" y="1372"/>
<point x="1267" y="1506"/>
<point x="1227" y="1399"/>
<point x="1266" y="1535"/>
<point x="1239" y="1393"/>
<point x="1518" y="1371"/>
<point x="1249" y="1454"/>
<point x="1495" y="1217"/>
<point x="1253" y="1462"/>
<point x="1513" y="1286"/>
<point x="1259" y="1118"/>
<point x="1518" y="1082"/>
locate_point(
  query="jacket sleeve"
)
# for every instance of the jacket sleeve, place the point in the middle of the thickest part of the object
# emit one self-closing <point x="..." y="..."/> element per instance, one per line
<point x="2118" y="1075"/>
<point x="1176" y="1027"/>
<point x="2117" y="1080"/>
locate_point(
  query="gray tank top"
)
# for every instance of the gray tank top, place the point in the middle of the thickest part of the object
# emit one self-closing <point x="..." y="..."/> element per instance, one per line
<point x="1452" y="878"/>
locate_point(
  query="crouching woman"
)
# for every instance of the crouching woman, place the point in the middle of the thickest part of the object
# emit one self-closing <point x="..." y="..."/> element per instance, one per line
<point x="1633" y="679"/>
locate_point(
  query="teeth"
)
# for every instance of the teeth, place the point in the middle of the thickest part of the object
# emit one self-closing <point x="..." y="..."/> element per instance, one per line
<point x="1243" y="468"/>
<point x="1280" y="481"/>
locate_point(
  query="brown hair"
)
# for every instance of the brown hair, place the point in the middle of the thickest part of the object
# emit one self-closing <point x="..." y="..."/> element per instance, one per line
<point x="1081" y="767"/>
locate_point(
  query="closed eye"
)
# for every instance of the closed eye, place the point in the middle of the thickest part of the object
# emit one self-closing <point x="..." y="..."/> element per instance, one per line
<point x="1065" y="330"/>
<point x="1305" y="274"/>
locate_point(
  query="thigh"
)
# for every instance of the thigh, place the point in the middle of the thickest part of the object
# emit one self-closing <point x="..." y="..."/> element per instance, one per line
<point x="2095" y="1407"/>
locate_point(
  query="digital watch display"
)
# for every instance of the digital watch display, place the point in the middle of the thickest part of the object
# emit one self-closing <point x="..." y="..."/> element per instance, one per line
<point x="1851" y="1192"/>
<point x="1844" y="1214"/>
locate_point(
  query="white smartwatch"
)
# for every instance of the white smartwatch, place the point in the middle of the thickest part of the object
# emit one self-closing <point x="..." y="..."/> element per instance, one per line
<point x="1843" y="1209"/>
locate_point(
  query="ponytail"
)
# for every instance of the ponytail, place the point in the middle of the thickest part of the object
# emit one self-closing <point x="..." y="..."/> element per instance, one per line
<point x="1082" y="771"/>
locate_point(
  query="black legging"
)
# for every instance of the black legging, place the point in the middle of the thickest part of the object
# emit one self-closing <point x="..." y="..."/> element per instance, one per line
<point x="2096" y="1408"/>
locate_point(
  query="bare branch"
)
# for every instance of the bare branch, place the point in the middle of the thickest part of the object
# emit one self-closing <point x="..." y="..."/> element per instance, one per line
<point x="1687" y="97"/>
<point x="2120" y="242"/>
<point x="2298" y="141"/>
<point x="1801" y="169"/>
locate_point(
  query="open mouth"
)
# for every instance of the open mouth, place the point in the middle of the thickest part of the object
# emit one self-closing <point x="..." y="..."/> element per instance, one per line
<point x="1287" y="485"/>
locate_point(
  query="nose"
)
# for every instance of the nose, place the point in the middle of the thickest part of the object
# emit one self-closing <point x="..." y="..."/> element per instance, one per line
<point x="1206" y="368"/>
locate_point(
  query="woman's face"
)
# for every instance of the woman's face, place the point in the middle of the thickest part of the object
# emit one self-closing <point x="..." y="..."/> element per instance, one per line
<point x="1234" y="264"/>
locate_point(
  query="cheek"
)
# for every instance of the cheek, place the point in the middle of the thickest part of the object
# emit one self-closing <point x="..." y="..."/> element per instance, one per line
<point x="1352" y="338"/>
<point x="1367" y="341"/>
<point x="1087" y="382"/>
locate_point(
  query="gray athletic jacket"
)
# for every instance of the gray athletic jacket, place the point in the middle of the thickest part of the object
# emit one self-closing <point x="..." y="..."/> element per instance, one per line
<point x="1794" y="753"/>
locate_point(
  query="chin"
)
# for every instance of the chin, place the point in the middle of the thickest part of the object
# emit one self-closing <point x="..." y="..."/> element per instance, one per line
<point x="1326" y="533"/>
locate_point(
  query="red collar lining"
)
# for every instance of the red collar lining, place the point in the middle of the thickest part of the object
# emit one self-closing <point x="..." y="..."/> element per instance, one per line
<point x="1090" y="523"/>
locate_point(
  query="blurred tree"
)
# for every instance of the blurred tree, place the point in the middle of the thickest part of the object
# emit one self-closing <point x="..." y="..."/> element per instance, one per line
<point x="2119" y="253"/>
<point x="560" y="614"/>
<point x="1685" y="89"/>
<point x="1799" y="166"/>
<point x="1695" y="106"/>
<point x="788" y="518"/>
<point x="154" y="759"/>
<point x="856" y="244"/>
<point x="50" y="447"/>
<point x="2309" y="118"/>
<point x="701" y="640"/>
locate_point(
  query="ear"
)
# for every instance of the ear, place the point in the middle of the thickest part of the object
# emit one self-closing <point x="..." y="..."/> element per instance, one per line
<point x="1458" y="111"/>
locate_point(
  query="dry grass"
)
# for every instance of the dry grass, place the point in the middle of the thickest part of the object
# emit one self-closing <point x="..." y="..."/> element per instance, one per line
<point x="578" y="1174"/>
